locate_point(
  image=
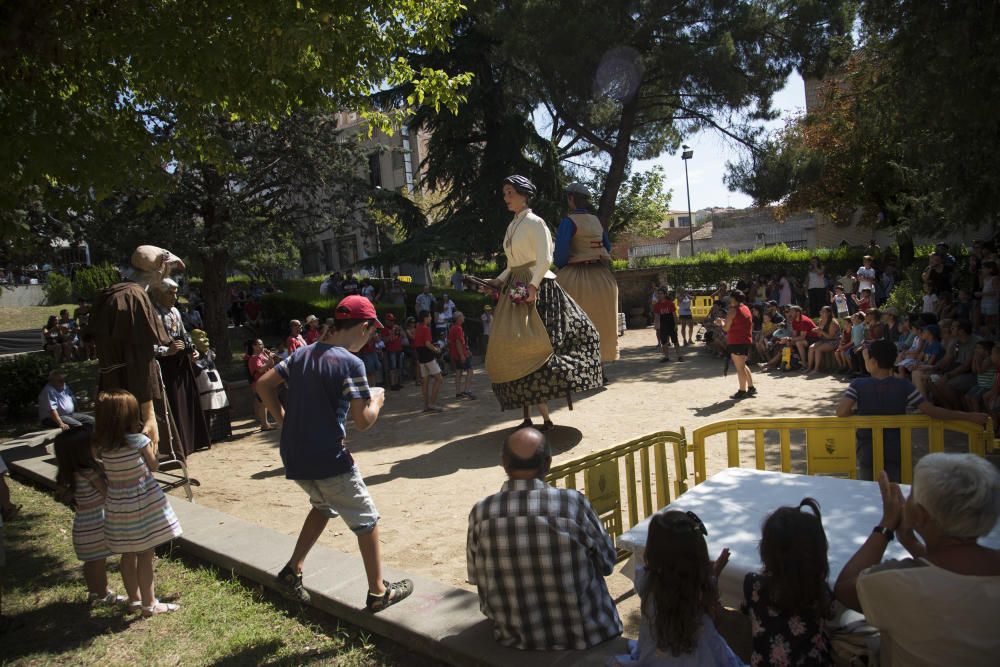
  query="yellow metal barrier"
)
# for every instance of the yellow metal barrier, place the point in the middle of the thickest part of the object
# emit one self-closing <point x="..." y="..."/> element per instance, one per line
<point x="830" y="441"/>
<point x="701" y="306"/>
<point x="602" y="474"/>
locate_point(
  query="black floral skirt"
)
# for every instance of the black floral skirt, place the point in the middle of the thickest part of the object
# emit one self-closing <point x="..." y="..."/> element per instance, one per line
<point x="575" y="364"/>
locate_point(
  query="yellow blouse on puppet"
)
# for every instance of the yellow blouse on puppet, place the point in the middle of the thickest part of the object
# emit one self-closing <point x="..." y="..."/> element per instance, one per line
<point x="528" y="242"/>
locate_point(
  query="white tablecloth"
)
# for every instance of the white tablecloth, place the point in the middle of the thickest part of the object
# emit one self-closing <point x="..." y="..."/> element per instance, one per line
<point x="734" y="503"/>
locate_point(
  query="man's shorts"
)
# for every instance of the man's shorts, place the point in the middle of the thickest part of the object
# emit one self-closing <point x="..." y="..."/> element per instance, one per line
<point x="462" y="365"/>
<point x="346" y="496"/>
<point x="371" y="362"/>
<point x="430" y="368"/>
<point x="396" y="360"/>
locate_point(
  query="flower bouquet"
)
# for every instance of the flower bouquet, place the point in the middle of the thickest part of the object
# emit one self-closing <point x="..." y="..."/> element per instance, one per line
<point x="518" y="293"/>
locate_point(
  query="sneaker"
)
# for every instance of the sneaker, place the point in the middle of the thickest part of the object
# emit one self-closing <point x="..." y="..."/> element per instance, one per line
<point x="469" y="395"/>
<point x="394" y="593"/>
<point x="547" y="425"/>
<point x="110" y="598"/>
<point x="291" y="584"/>
<point x="741" y="394"/>
<point x="752" y="391"/>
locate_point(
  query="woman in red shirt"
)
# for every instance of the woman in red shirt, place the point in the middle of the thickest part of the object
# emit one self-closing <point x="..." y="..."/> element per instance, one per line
<point x="739" y="336"/>
<point x="666" y="308"/>
<point x="295" y="339"/>
<point x="259" y="361"/>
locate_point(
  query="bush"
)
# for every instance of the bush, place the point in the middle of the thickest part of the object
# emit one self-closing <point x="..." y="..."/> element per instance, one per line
<point x="58" y="289"/>
<point x="90" y="280"/>
<point x="905" y="298"/>
<point x="709" y="269"/>
<point x="21" y="378"/>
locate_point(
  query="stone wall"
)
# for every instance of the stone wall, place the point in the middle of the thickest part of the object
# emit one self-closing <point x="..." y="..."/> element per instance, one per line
<point x="21" y="296"/>
<point x="634" y="291"/>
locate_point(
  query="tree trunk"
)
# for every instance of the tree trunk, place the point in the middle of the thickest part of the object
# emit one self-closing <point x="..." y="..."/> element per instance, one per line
<point x="619" y="161"/>
<point x="215" y="265"/>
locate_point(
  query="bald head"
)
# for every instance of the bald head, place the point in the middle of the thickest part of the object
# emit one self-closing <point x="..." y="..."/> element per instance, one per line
<point x="526" y="454"/>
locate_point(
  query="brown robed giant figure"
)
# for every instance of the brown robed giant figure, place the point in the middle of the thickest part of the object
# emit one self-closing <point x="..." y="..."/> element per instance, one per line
<point x="127" y="329"/>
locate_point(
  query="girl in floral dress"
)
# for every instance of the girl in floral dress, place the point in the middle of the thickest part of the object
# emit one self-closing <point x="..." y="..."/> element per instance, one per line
<point x="790" y="600"/>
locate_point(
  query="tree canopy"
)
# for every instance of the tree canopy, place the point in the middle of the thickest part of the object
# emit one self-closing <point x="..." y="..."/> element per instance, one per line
<point x="86" y="87"/>
<point x="905" y="132"/>
<point x="580" y="90"/>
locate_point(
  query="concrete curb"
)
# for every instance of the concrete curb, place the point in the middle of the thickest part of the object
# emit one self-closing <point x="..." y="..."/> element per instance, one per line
<point x="440" y="621"/>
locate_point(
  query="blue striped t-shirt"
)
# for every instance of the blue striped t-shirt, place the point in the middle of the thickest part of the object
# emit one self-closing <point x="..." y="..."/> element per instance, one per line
<point x="322" y="379"/>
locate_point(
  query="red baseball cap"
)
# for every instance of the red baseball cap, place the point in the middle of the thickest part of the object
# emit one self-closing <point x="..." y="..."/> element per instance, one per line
<point x="356" y="307"/>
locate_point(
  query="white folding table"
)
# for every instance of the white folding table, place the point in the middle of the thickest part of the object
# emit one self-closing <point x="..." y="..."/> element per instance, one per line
<point x="734" y="503"/>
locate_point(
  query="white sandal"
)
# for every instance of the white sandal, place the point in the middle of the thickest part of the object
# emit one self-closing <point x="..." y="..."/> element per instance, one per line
<point x="109" y="598"/>
<point x="159" y="608"/>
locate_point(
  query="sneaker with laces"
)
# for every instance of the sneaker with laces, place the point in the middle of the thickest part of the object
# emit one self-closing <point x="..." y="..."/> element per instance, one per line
<point x="739" y="395"/>
<point x="395" y="592"/>
<point x="291" y="585"/>
<point x="752" y="391"/>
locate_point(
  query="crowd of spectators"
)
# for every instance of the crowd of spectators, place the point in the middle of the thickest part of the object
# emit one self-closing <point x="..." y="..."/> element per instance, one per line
<point x="68" y="338"/>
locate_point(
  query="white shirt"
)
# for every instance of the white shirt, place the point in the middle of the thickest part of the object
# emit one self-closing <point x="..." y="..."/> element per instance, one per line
<point x="487" y="323"/>
<point x="448" y="308"/>
<point x="816" y="280"/>
<point x="866" y="279"/>
<point x="528" y="241"/>
<point x="931" y="616"/>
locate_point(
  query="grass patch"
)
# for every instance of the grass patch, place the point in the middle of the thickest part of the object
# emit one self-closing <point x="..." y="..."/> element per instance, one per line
<point x="30" y="317"/>
<point x="224" y="620"/>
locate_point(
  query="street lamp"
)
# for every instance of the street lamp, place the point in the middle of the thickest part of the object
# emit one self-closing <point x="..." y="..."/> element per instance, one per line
<point x="687" y="155"/>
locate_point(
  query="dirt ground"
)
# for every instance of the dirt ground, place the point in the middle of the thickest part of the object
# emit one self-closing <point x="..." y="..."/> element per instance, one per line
<point x="425" y="471"/>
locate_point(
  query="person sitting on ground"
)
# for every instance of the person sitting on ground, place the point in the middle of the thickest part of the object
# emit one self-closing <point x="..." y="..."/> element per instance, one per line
<point x="461" y="357"/>
<point x="326" y="382"/>
<point x="845" y="347"/>
<point x="57" y="405"/>
<point x="678" y="598"/>
<point x="551" y="596"/>
<point x="955" y="355"/>
<point x="830" y="338"/>
<point x="55" y="341"/>
<point x="884" y="394"/>
<point x="948" y="389"/>
<point x="430" y="372"/>
<point x="983" y="366"/>
<point x="804" y="332"/>
<point x="938" y="607"/>
<point x="790" y="601"/>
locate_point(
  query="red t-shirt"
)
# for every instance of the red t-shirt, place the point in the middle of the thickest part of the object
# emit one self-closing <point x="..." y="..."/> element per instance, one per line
<point x="741" y="328"/>
<point x="393" y="341"/>
<point x="456" y="343"/>
<point x="421" y="336"/>
<point x="665" y="307"/>
<point x="295" y="342"/>
<point x="805" y="325"/>
<point x="252" y="309"/>
<point x="256" y="364"/>
<point x="311" y="335"/>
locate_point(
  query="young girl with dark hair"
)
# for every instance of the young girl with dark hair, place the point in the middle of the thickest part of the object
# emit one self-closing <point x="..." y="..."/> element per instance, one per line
<point x="679" y="598"/>
<point x="790" y="600"/>
<point x="81" y="482"/>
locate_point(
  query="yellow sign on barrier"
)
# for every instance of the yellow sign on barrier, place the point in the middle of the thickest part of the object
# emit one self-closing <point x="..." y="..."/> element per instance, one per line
<point x="831" y="452"/>
<point x="602" y="486"/>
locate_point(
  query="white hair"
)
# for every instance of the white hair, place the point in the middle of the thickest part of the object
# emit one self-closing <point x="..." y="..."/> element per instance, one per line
<point x="961" y="492"/>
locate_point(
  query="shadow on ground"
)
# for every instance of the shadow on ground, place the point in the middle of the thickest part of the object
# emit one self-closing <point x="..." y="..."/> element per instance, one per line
<point x="473" y="452"/>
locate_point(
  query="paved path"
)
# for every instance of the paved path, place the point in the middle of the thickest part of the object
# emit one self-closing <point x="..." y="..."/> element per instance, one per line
<point x="438" y="620"/>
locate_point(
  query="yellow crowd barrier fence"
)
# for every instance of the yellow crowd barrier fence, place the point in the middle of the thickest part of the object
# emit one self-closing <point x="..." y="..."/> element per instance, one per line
<point x="830" y="441"/>
<point x="645" y="471"/>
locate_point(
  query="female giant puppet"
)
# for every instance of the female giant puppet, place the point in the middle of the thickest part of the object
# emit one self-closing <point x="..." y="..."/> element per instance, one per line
<point x="543" y="345"/>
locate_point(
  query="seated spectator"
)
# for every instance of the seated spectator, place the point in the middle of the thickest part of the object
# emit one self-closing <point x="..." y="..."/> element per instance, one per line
<point x="954" y="366"/>
<point x="938" y="607"/>
<point x="254" y="314"/>
<point x="56" y="340"/>
<point x="790" y="601"/>
<point x="985" y="369"/>
<point x="57" y="405"/>
<point x="932" y="350"/>
<point x="845" y="347"/>
<point x="804" y="333"/>
<point x="911" y="357"/>
<point x="884" y="394"/>
<point x="679" y="600"/>
<point x="551" y="595"/>
<point x="828" y="341"/>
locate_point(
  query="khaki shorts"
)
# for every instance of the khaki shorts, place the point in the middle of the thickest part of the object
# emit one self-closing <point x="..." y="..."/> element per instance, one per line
<point x="430" y="368"/>
<point x="346" y="496"/>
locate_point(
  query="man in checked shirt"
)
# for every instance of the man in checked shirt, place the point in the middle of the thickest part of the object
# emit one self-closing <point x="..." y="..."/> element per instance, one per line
<point x="539" y="555"/>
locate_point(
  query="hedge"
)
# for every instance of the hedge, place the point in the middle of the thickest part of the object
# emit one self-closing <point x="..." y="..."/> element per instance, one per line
<point x="21" y="378"/>
<point x="88" y="281"/>
<point x="709" y="269"/>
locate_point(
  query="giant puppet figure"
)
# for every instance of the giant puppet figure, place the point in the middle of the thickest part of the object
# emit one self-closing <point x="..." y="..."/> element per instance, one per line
<point x="128" y="332"/>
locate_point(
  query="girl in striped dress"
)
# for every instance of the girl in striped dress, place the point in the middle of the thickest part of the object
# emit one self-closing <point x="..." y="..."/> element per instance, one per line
<point x="138" y="516"/>
<point x="80" y="481"/>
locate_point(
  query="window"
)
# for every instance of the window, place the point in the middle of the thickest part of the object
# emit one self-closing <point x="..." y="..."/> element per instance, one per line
<point x="683" y="221"/>
<point x="407" y="157"/>
<point x="375" y="170"/>
<point x="347" y="251"/>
